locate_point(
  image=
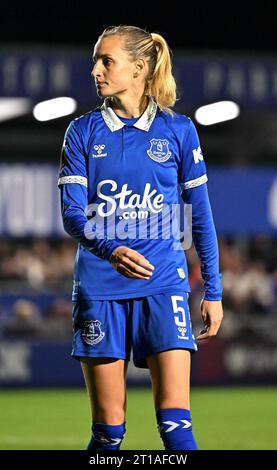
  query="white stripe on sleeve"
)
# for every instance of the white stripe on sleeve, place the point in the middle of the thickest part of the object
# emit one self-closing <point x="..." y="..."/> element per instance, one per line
<point x="193" y="183"/>
<point x="73" y="179"/>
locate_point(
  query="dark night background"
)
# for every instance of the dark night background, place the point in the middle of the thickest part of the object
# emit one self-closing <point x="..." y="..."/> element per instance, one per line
<point x="228" y="29"/>
<point x="234" y="25"/>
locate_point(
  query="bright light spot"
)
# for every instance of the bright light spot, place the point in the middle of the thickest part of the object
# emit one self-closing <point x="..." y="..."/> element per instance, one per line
<point x="217" y="112"/>
<point x="13" y="107"/>
<point x="55" y="108"/>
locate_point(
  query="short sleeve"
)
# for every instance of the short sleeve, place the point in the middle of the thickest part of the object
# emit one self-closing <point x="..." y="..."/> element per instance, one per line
<point x="73" y="162"/>
<point x="192" y="168"/>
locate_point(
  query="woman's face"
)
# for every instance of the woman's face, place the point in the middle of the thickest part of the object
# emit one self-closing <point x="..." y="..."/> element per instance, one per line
<point x="113" y="71"/>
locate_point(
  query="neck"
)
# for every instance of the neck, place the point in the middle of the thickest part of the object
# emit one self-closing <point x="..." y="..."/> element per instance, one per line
<point x="129" y="107"/>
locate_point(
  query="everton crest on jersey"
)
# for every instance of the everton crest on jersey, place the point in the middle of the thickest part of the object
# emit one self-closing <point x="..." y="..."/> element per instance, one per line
<point x="159" y="150"/>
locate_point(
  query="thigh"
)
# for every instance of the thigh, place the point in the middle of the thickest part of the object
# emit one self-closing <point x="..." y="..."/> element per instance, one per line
<point x="170" y="375"/>
<point x="106" y="385"/>
<point x="161" y="322"/>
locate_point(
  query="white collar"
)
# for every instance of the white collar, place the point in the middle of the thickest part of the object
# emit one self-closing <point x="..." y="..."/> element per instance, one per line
<point x="114" y="123"/>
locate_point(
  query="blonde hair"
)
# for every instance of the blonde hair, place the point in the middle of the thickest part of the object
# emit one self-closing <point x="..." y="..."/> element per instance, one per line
<point x="139" y="43"/>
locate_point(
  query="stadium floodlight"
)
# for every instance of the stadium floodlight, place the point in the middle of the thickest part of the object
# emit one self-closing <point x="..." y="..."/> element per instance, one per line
<point x="217" y="112"/>
<point x="13" y="107"/>
<point x="54" y="108"/>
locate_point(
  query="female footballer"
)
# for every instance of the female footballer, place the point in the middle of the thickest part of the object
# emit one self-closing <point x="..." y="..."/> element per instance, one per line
<point x="124" y="166"/>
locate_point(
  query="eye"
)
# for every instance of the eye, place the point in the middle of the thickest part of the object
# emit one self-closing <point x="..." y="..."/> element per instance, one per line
<point x="107" y="61"/>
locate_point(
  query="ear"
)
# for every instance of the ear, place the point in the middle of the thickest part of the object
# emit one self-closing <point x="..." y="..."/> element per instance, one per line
<point x="140" y="67"/>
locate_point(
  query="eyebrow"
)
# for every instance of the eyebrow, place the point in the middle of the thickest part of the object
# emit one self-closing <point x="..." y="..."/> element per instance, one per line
<point x="101" y="56"/>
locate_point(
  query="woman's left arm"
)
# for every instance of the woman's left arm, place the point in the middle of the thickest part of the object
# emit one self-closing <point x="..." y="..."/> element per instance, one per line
<point x="205" y="241"/>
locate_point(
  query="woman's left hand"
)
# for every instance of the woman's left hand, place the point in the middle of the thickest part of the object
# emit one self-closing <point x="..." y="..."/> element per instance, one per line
<point x="212" y="315"/>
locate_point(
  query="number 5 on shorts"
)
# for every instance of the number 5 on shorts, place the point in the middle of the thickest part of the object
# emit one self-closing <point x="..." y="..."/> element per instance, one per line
<point x="180" y="318"/>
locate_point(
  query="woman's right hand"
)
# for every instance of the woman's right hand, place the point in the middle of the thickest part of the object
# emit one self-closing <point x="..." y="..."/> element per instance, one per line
<point x="130" y="263"/>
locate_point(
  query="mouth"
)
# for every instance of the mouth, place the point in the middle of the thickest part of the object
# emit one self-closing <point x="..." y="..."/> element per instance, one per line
<point x="100" y="84"/>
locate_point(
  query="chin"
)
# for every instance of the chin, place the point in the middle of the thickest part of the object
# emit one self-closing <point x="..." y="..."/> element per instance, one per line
<point x="103" y="94"/>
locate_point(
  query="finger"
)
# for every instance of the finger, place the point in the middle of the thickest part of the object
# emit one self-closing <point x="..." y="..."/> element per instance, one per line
<point x="202" y="337"/>
<point x="139" y="260"/>
<point x="208" y="332"/>
<point x="135" y="268"/>
<point x="130" y="274"/>
<point x="118" y="266"/>
<point x="203" y="334"/>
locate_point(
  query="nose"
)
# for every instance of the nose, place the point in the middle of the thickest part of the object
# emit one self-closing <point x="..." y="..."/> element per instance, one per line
<point x="96" y="71"/>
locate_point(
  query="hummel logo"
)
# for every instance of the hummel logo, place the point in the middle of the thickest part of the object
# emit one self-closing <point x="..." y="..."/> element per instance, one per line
<point x="99" y="149"/>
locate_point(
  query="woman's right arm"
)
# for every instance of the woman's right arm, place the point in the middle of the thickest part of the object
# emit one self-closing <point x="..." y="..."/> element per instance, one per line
<point x="73" y="182"/>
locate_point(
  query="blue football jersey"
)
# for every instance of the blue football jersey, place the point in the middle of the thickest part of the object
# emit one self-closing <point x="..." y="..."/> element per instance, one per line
<point x="120" y="181"/>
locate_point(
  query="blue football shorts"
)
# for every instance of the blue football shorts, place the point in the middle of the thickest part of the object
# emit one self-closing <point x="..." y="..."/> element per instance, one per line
<point x="143" y="325"/>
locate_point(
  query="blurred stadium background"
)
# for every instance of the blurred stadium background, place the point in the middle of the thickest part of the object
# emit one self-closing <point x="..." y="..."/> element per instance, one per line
<point x="46" y="55"/>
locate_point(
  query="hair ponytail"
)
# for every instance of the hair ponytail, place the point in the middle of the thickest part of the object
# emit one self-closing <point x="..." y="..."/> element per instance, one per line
<point x="162" y="84"/>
